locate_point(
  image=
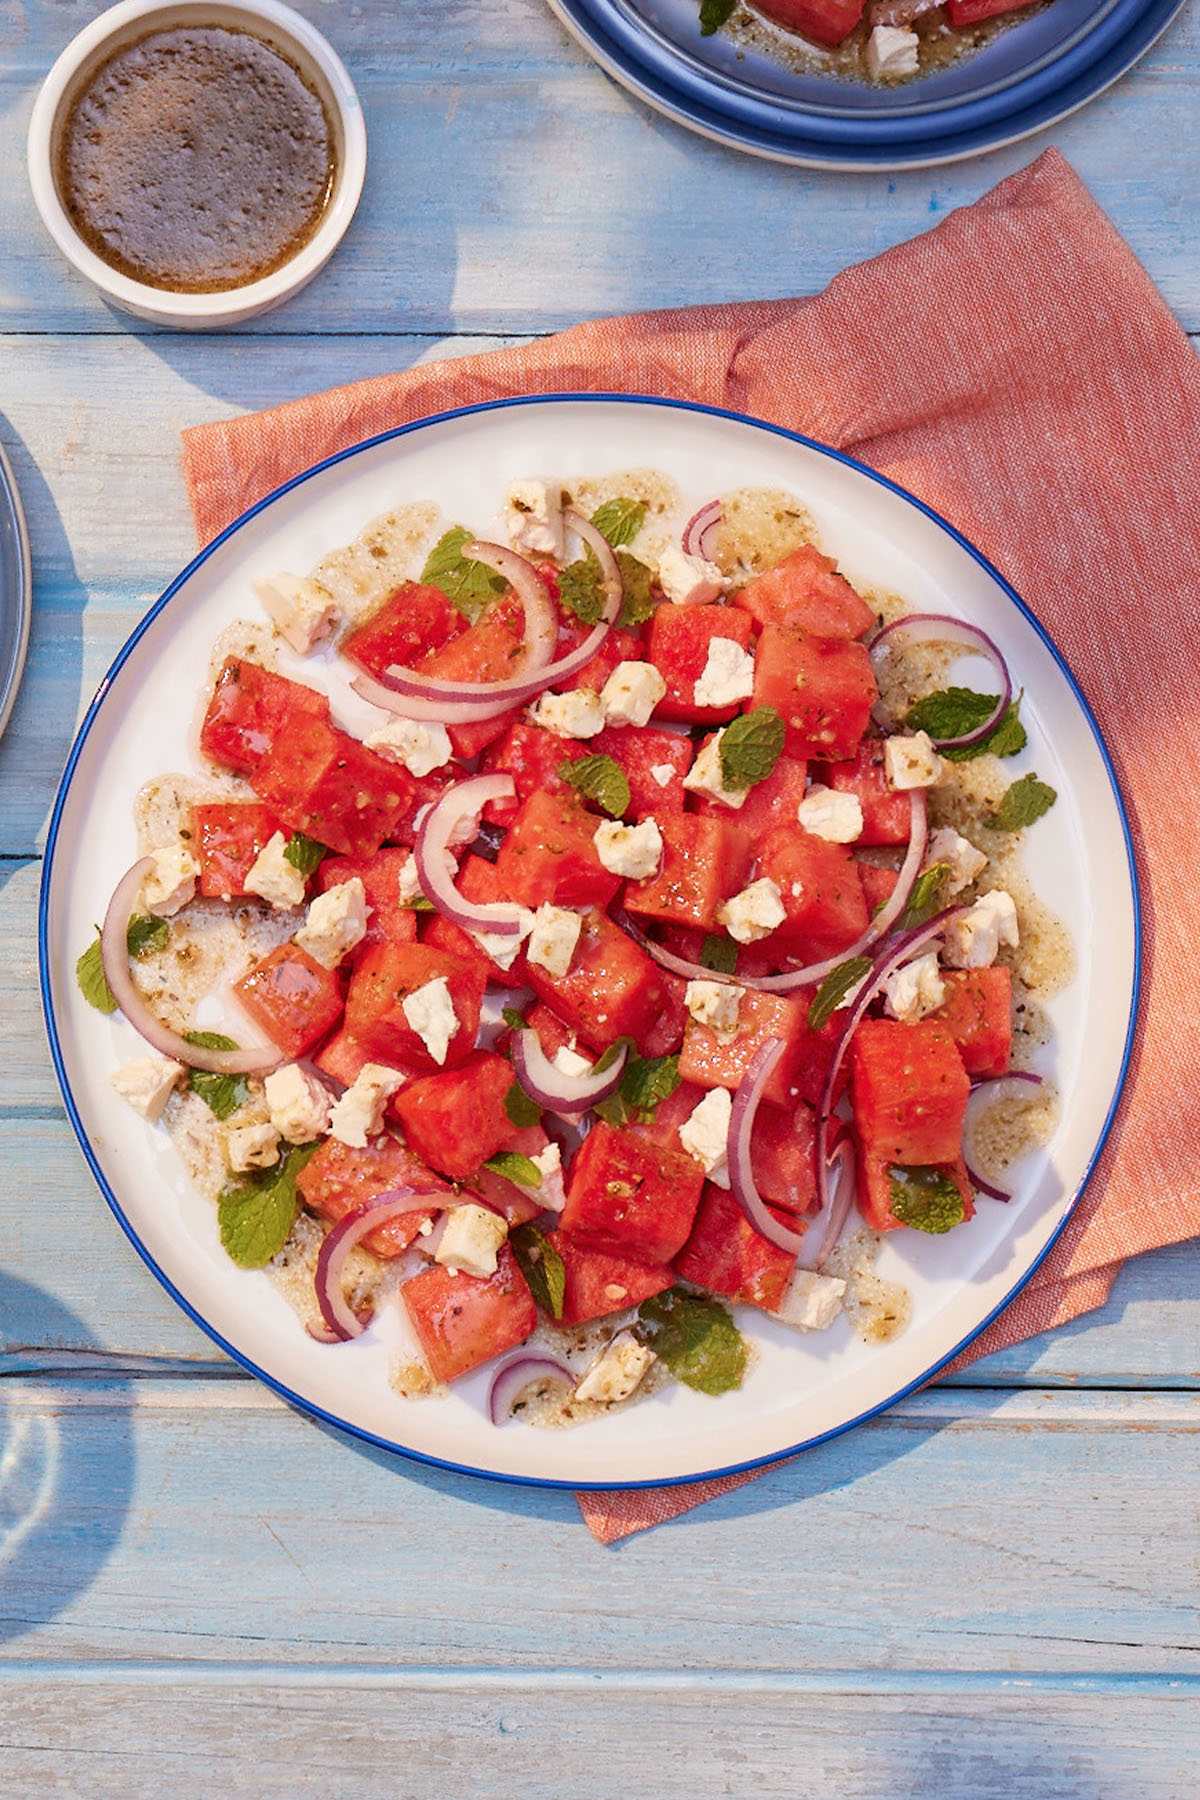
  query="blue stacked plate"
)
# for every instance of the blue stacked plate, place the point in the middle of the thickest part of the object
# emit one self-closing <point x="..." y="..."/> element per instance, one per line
<point x="748" y="87"/>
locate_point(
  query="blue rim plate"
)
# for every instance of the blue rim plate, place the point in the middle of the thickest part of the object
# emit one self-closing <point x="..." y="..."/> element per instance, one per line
<point x="16" y="590"/>
<point x="968" y="98"/>
<point x="800" y="1392"/>
<point x="811" y="135"/>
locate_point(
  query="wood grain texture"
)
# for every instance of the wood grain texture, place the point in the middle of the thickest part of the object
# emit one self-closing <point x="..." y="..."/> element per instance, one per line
<point x="706" y="1737"/>
<point x="988" y="1592"/>
<point x="512" y="187"/>
<point x="203" y="1521"/>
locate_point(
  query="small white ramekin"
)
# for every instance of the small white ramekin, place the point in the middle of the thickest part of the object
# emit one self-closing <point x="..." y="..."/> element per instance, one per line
<point x="133" y="19"/>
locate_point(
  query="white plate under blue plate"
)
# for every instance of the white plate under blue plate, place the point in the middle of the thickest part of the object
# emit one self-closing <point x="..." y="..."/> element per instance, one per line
<point x="800" y="1389"/>
<point x="1032" y="74"/>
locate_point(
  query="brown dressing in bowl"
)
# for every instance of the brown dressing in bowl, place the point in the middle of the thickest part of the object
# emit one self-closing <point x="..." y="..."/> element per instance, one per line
<point x="196" y="159"/>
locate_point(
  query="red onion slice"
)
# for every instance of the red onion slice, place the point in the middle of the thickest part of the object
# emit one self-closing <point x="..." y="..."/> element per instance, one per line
<point x="940" y="628"/>
<point x="114" y="955"/>
<point x="425" y="698"/>
<point x="987" y="1081"/>
<point x="339" y="1316"/>
<point x="880" y="925"/>
<point x="551" y="1088"/>
<point x="700" y="531"/>
<point x="431" y="853"/>
<point x="540" y="635"/>
<point x="839" y="1194"/>
<point x="737" y="1149"/>
<point x="512" y="1376"/>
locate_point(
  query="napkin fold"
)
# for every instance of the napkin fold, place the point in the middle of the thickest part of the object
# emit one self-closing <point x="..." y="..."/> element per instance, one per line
<point x="1015" y="368"/>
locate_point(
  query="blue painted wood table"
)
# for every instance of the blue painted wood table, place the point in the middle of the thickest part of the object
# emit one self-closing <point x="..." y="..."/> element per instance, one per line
<point x="988" y="1592"/>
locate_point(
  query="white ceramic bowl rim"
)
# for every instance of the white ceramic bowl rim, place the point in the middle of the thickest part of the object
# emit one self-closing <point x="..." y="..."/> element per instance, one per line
<point x="721" y="1466"/>
<point x="238" y="302"/>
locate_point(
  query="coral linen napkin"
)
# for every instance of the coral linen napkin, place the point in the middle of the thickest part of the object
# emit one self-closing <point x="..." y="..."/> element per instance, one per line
<point x="1015" y="368"/>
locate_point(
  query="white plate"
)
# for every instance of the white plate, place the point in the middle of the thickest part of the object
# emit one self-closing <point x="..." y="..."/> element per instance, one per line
<point x="800" y="1389"/>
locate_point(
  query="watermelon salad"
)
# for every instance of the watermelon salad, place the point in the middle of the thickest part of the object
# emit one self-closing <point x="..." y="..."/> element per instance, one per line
<point x="614" y="969"/>
<point x="880" y="41"/>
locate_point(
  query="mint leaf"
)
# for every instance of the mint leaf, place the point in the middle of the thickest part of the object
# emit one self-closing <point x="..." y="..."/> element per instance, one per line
<point x="608" y="1057"/>
<point x="620" y="520"/>
<point x="542" y="1267"/>
<point x="515" y="1167"/>
<point x="256" y="1216"/>
<point x="521" y="1110"/>
<point x="89" y="973"/>
<point x="147" y="935"/>
<point x="637" y="588"/>
<point x="953" y="711"/>
<point x="470" y="585"/>
<point x="1024" y="802"/>
<point x="751" y="747"/>
<point x="696" y="1338"/>
<point x="209" y="1040"/>
<point x="222" y="1094"/>
<point x="926" y="895"/>
<point x="714" y="14"/>
<point x="835" y="987"/>
<point x="418" y="903"/>
<point x="581" y="590"/>
<point x="926" y="1198"/>
<point x="646" y="1081"/>
<point x="719" y="952"/>
<point x="304" y="853"/>
<point x="601" y="780"/>
<point x="516" y="1021"/>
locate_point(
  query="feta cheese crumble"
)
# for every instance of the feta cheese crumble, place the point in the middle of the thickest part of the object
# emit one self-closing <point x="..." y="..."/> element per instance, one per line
<point x="912" y="762"/>
<point x="533" y="518"/>
<point x="892" y="52"/>
<point x="633" y="851"/>
<point x="252" y="1147"/>
<point x="973" y="940"/>
<point x="576" y="714"/>
<point x="964" y="863"/>
<point x="811" y="1302"/>
<point x="754" y="913"/>
<point x="299" y="1104"/>
<point x="688" y="580"/>
<point x="147" y="1083"/>
<point x="430" y="1012"/>
<point x="705" y="1134"/>
<point x="553" y="938"/>
<point x="826" y="813"/>
<point x="915" y="989"/>
<point x="715" y="1004"/>
<point x="273" y="878"/>
<point x="302" y="611"/>
<point x="631" y="693"/>
<point x="569" y="1062"/>
<point x="336" y="923"/>
<point x="358" y="1115"/>
<point x="707" y="777"/>
<point x="663" y="773"/>
<point x="617" y="1372"/>
<point x="171" y="883"/>
<point x="472" y="1236"/>
<point x="421" y="748"/>
<point x="502" y="946"/>
<point x="727" y="676"/>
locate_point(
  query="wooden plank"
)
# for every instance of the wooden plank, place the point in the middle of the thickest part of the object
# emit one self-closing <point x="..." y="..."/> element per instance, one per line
<point x="204" y="1521"/>
<point x="594" y="1738"/>
<point x="512" y="187"/>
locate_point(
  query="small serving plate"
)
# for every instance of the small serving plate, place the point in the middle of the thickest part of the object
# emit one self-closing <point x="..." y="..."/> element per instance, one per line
<point x="746" y="94"/>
